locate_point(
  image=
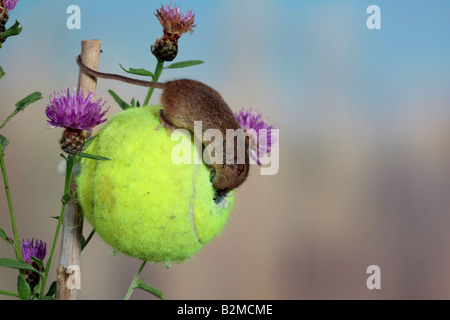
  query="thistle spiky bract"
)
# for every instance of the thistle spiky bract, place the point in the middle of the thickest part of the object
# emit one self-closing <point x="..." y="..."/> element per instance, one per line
<point x="174" y="25"/>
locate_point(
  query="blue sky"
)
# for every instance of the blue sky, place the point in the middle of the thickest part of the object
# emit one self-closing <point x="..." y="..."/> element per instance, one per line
<point x="294" y="52"/>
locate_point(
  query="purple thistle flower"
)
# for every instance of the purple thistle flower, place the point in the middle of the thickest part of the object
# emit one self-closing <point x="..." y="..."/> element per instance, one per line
<point x="74" y="111"/>
<point x="10" y="4"/>
<point x="31" y="249"/>
<point x="260" y="132"/>
<point x="173" y="21"/>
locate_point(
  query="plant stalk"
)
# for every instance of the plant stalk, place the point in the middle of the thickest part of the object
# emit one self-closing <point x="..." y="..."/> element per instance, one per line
<point x="135" y="280"/>
<point x="17" y="249"/>
<point x="69" y="168"/>
<point x="158" y="70"/>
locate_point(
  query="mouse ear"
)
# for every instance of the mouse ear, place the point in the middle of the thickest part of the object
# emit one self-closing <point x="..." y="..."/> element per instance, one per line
<point x="238" y="168"/>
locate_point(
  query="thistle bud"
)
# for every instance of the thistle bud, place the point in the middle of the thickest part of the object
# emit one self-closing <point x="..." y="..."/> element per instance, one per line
<point x="5" y="7"/>
<point x="72" y="140"/>
<point x="3" y="19"/>
<point x="30" y="249"/>
<point x="174" y="25"/>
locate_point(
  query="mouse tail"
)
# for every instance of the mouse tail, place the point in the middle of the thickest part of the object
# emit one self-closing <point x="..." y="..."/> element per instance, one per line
<point x="111" y="76"/>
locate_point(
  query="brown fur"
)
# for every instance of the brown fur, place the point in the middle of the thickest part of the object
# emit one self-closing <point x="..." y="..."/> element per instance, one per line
<point x="185" y="101"/>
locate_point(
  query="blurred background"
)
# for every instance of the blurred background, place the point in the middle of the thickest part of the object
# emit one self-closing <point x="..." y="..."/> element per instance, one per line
<point x="364" y="121"/>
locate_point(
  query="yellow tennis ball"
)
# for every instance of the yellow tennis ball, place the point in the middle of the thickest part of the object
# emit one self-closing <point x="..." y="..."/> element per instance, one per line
<point x="140" y="201"/>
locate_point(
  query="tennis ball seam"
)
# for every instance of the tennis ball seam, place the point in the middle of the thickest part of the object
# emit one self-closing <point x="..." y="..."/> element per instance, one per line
<point x="93" y="191"/>
<point x="191" y="206"/>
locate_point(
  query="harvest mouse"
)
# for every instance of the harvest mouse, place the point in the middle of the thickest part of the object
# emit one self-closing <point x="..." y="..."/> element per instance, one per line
<point x="185" y="101"/>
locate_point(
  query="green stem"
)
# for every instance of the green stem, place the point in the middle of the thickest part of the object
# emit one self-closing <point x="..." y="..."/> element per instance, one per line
<point x="159" y="68"/>
<point x="135" y="280"/>
<point x="9" y="117"/>
<point x="69" y="168"/>
<point x="11" y="209"/>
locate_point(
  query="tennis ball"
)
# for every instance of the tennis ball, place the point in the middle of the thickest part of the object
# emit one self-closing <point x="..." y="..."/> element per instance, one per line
<point x="142" y="203"/>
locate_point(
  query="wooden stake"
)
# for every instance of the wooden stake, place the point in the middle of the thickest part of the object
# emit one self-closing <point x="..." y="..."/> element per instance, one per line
<point x="69" y="272"/>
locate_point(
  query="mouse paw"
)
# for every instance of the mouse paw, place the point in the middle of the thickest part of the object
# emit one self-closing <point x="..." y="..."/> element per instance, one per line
<point x="165" y="123"/>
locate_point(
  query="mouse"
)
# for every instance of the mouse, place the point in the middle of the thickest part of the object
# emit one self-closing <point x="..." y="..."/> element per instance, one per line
<point x="185" y="101"/>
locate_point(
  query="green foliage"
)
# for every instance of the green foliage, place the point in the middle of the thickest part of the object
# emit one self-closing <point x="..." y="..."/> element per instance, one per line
<point x="14" y="30"/>
<point x="143" y="286"/>
<point x="92" y="156"/>
<point x="29" y="99"/>
<point x="65" y="199"/>
<point x="122" y="104"/>
<point x="22" y="104"/>
<point x="88" y="143"/>
<point x="3" y="235"/>
<point x="51" y="291"/>
<point x="16" y="264"/>
<point x="139" y="72"/>
<point x="9" y="293"/>
<point x="39" y="262"/>
<point x="85" y="241"/>
<point x="23" y="288"/>
<point x="184" y="64"/>
<point x="3" y="142"/>
<point x="135" y="104"/>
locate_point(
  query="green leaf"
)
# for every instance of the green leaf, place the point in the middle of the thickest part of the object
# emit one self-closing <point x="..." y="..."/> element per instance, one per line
<point x="51" y="291"/>
<point x="65" y="199"/>
<point x="32" y="97"/>
<point x="3" y="235"/>
<point x="83" y="242"/>
<point x="16" y="264"/>
<point x="88" y="143"/>
<point x="92" y="156"/>
<point x="2" y="73"/>
<point x="23" y="288"/>
<point x="184" y="64"/>
<point x="35" y="291"/>
<point x="157" y="293"/>
<point x="119" y="101"/>
<point x="14" y="30"/>
<point x="139" y="72"/>
<point x="9" y="293"/>
<point x="49" y="298"/>
<point x="39" y="262"/>
<point x="3" y="142"/>
<point x="55" y="217"/>
<point x="22" y="104"/>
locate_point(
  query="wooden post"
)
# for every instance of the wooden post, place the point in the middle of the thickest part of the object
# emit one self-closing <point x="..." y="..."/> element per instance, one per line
<point x="69" y="271"/>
